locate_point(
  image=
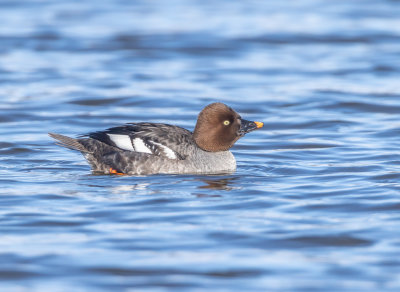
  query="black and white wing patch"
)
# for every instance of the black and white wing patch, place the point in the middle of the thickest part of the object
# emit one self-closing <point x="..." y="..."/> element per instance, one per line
<point x="142" y="145"/>
<point x="135" y="141"/>
<point x="122" y="141"/>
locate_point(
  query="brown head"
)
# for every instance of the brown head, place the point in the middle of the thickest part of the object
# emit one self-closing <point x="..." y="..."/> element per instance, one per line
<point x="218" y="127"/>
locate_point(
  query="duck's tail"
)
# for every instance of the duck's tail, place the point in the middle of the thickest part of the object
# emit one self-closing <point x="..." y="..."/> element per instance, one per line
<point x="69" y="142"/>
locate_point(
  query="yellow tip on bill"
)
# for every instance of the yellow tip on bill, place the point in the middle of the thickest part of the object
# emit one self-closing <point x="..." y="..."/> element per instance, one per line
<point x="259" y="124"/>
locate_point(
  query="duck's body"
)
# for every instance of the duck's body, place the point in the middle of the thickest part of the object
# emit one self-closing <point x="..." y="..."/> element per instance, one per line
<point x="151" y="148"/>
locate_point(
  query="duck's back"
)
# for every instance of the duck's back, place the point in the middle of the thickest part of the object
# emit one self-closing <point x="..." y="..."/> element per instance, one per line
<point x="161" y="140"/>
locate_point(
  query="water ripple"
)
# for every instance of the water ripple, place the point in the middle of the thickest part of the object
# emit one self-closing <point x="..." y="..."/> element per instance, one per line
<point x="313" y="205"/>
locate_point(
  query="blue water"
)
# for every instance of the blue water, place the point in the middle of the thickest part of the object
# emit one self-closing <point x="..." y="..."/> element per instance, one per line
<point x="314" y="204"/>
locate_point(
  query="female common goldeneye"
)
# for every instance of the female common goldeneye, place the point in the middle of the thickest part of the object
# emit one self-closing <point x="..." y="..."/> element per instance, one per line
<point x="150" y="148"/>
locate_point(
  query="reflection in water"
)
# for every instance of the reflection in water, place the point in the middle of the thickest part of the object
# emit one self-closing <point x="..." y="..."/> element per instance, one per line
<point x="147" y="188"/>
<point x="219" y="183"/>
<point x="315" y="197"/>
<point x="130" y="188"/>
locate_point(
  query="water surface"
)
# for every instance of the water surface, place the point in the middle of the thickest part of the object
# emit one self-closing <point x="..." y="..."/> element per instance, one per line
<point x="314" y="204"/>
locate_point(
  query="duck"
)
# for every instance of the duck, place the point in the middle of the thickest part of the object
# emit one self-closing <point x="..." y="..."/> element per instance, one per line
<point x="147" y="148"/>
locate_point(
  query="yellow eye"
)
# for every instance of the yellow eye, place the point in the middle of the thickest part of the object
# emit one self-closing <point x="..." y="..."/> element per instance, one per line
<point x="226" y="123"/>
